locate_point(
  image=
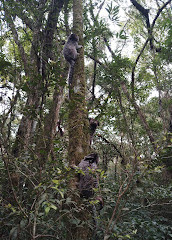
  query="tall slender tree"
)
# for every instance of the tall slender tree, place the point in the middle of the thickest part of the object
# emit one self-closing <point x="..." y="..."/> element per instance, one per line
<point x="78" y="120"/>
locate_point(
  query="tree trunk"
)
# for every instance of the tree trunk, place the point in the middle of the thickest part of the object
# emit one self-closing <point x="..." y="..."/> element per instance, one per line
<point x="78" y="120"/>
<point x="35" y="65"/>
<point x="45" y="139"/>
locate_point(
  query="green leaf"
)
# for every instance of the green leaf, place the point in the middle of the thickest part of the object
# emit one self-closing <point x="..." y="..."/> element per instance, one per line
<point x="57" y="182"/>
<point x="53" y="207"/>
<point x="23" y="223"/>
<point x="47" y="209"/>
<point x="13" y="233"/>
<point x="61" y="193"/>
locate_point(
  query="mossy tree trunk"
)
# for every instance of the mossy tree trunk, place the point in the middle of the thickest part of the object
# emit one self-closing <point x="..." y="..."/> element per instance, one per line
<point x="78" y="119"/>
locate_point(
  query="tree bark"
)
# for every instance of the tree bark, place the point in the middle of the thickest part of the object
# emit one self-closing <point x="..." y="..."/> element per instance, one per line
<point x="45" y="139"/>
<point x="78" y="121"/>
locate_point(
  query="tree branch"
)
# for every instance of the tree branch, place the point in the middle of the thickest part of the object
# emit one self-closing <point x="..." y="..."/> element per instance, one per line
<point x="158" y="13"/>
<point x="48" y="34"/>
<point x="141" y="9"/>
<point x="56" y="7"/>
<point x="108" y="46"/>
<point x="13" y="190"/>
<point x="141" y="115"/>
<point x="132" y="101"/>
<point x="114" y="146"/>
<point x="17" y="41"/>
<point x="94" y="81"/>
<point x="145" y="13"/>
<point x="122" y="190"/>
<point x="134" y="67"/>
<point x="150" y="29"/>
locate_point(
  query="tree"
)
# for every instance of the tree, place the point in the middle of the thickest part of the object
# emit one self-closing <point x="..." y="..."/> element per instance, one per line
<point x="78" y="120"/>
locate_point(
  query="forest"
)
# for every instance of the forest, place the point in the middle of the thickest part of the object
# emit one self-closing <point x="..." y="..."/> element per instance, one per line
<point x="86" y="119"/>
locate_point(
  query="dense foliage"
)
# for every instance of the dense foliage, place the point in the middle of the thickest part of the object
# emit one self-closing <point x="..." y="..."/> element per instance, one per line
<point x="128" y="59"/>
